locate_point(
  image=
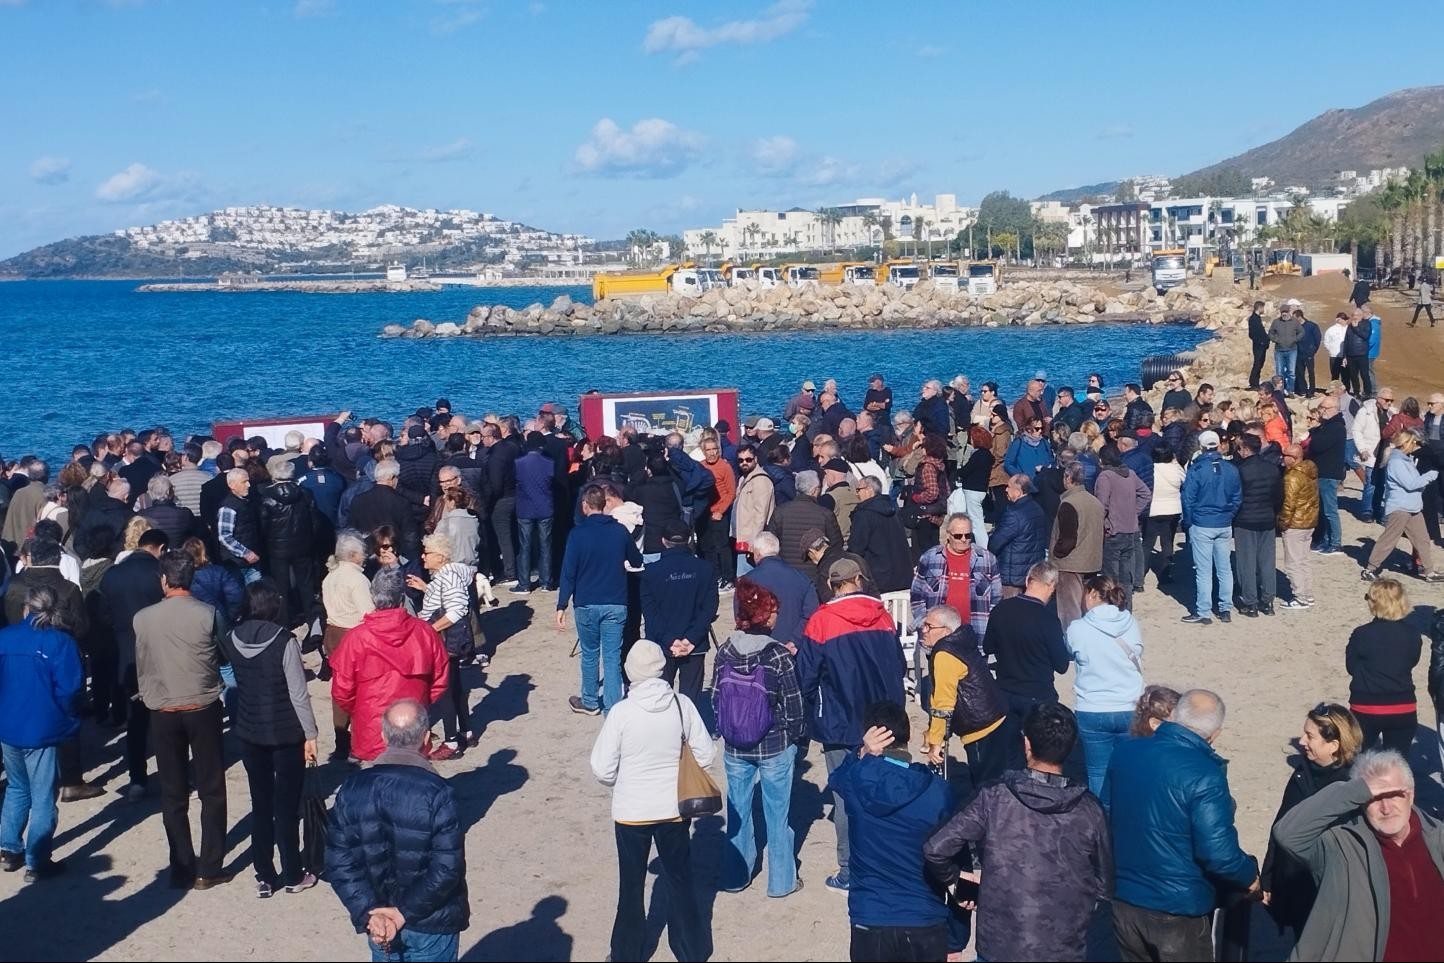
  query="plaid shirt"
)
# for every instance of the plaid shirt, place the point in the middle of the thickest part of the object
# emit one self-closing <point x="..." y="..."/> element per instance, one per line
<point x="930" y="585"/>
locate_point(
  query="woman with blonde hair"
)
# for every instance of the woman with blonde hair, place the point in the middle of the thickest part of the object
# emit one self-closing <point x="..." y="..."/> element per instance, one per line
<point x="130" y="537"/>
<point x="1403" y="509"/>
<point x="1380" y="659"/>
<point x="1153" y="710"/>
<point x="1330" y="741"/>
<point x="446" y="604"/>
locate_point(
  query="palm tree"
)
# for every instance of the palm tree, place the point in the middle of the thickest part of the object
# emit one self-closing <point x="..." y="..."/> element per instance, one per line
<point x="708" y="238"/>
<point x="1417" y="187"/>
<point x="1087" y="221"/>
<point x="750" y="232"/>
<point x="870" y="223"/>
<point x="831" y="217"/>
<point x="1391" y="200"/>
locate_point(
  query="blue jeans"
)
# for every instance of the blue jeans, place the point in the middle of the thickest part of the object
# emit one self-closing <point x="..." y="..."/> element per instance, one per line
<point x="1329" y="508"/>
<point x="744" y="564"/>
<point x="1100" y="733"/>
<point x="1285" y="361"/>
<point x="228" y="687"/>
<point x="1210" y="553"/>
<point x="534" y="538"/>
<point x="741" y="855"/>
<point x="30" y="799"/>
<point x="412" y="946"/>
<point x="599" y="634"/>
<point x="1366" y="499"/>
<point x="974" y="502"/>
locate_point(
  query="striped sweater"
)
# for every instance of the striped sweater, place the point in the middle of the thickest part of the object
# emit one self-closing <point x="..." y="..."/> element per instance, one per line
<point x="448" y="592"/>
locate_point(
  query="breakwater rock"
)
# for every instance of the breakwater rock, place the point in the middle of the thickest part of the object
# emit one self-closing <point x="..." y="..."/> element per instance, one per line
<point x="813" y="307"/>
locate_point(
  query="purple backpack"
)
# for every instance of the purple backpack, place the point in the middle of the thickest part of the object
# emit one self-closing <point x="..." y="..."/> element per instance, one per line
<point x="744" y="705"/>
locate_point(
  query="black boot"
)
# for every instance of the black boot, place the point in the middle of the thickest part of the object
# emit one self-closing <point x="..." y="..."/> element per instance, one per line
<point x="342" y="752"/>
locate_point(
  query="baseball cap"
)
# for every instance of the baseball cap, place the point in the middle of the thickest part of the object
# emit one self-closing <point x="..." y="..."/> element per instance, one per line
<point x="809" y="386"/>
<point x="676" y="530"/>
<point x="765" y="424"/>
<point x="843" y="570"/>
<point x="810" y="537"/>
<point x="1040" y="375"/>
<point x="750" y="421"/>
<point x="416" y="431"/>
<point x="1208" y="439"/>
<point x="837" y="465"/>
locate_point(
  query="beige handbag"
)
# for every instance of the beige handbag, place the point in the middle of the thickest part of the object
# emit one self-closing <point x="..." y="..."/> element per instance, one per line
<point x="697" y="794"/>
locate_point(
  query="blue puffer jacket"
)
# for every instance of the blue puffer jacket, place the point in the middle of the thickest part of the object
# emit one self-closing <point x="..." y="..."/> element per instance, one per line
<point x="395" y="840"/>
<point x="1024" y="457"/>
<point x="1020" y="539"/>
<point x="849" y="658"/>
<point x="1212" y="492"/>
<point x="1172" y="821"/>
<point x="41" y="686"/>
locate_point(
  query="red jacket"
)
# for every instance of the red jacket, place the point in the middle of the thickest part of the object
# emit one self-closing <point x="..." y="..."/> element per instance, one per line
<point x="388" y="657"/>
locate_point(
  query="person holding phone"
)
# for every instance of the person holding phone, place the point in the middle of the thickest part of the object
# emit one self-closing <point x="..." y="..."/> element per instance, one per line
<point x="1048" y="858"/>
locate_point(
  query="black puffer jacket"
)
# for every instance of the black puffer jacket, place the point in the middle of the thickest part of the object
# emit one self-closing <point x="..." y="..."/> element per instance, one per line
<point x="177" y="522"/>
<point x="877" y="536"/>
<point x="1263" y="494"/>
<point x="790" y="520"/>
<point x="288" y="520"/>
<point x="419" y="462"/>
<point x="396" y="840"/>
<point x="979" y="702"/>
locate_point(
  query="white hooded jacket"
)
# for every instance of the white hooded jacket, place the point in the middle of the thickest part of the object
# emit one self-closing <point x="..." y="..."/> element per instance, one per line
<point x="637" y="751"/>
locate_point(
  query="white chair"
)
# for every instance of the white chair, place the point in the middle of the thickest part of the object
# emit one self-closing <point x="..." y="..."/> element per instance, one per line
<point x="899" y="607"/>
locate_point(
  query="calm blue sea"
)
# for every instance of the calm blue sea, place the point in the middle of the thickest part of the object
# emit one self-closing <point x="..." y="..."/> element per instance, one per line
<point x="85" y="356"/>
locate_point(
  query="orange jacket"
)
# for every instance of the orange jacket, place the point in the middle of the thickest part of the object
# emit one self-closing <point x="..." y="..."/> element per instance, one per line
<point x="726" y="485"/>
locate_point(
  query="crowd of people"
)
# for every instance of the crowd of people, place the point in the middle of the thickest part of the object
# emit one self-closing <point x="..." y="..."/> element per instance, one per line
<point x="962" y="552"/>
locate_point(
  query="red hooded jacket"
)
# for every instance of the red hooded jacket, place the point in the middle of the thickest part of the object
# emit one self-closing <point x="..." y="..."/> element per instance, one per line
<point x="388" y="657"/>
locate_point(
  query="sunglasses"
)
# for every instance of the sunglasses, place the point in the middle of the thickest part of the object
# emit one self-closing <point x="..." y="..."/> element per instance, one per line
<point x="747" y="461"/>
<point x="964" y="537"/>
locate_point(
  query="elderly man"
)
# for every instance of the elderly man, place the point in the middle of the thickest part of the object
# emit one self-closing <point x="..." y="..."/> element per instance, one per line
<point x="958" y="573"/>
<point x="1021" y="536"/>
<point x="961" y="697"/>
<point x="753" y="505"/>
<point x="395" y="853"/>
<point x="791" y="519"/>
<point x="25" y="505"/>
<point x="931" y="410"/>
<point x="1031" y="406"/>
<point x="238" y="527"/>
<point x="383" y="504"/>
<point x="879" y="538"/>
<point x="390" y="655"/>
<point x="1362" y="838"/>
<point x="796" y="595"/>
<point x="1076" y="543"/>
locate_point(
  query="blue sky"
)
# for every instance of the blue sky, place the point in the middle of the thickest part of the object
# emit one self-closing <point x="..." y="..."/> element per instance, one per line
<point x="603" y="116"/>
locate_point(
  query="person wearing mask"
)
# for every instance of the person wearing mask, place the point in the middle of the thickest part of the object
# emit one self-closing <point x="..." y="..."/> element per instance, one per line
<point x="849" y="658"/>
<point x="1296" y="521"/>
<point x="1380" y="658"/>
<point x="1124" y="498"/>
<point x="1175" y="847"/>
<point x="1261" y="500"/>
<point x="42" y="690"/>
<point x="636" y="755"/>
<point x="892" y="806"/>
<point x="1328" y="746"/>
<point x="1403" y="509"/>
<point x="277" y="730"/>
<point x="760" y="716"/>
<point x="1366" y="836"/>
<point x="1258" y="336"/>
<point x="1047" y="858"/>
<point x="1212" y="494"/>
<point x="961" y="697"/>
<point x="1285" y="333"/>
<point x="1108" y="649"/>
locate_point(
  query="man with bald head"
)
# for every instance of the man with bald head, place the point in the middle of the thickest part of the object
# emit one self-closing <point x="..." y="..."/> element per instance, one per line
<point x="1297" y="520"/>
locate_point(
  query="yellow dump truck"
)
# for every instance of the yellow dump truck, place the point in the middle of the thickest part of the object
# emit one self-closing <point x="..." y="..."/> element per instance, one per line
<point x="683" y="278"/>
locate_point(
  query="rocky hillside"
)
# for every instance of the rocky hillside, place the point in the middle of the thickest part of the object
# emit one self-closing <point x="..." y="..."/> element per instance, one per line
<point x="1397" y="129"/>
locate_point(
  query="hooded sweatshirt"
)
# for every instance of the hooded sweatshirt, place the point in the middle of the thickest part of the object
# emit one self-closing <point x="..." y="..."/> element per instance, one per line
<point x="1102" y="642"/>
<point x="1047" y="862"/>
<point x="273" y="707"/>
<point x="637" y="751"/>
<point x="390" y="656"/>
<point x="892" y="807"/>
<point x="849" y="658"/>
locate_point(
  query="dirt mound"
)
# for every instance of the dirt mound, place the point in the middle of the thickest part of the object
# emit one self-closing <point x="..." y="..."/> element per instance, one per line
<point x="1328" y="290"/>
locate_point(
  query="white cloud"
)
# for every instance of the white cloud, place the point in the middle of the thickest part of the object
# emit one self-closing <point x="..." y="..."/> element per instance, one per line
<point x="50" y="170"/>
<point x="463" y="17"/>
<point x="781" y="156"/>
<point x="651" y="148"/>
<point x="1114" y="132"/>
<point x="685" y="37"/>
<point x="459" y="149"/>
<point x="313" y="8"/>
<point x="136" y="182"/>
<point x="929" y="51"/>
<point x="775" y="156"/>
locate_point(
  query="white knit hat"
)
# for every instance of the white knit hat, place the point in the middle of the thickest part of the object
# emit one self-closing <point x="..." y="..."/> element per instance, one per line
<point x="645" y="661"/>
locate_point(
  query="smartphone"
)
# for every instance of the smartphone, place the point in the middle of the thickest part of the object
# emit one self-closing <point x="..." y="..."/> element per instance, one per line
<point x="966" y="891"/>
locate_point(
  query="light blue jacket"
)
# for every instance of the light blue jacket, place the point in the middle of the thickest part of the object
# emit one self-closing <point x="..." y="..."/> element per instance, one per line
<point x="1106" y="645"/>
<point x="1404" y="484"/>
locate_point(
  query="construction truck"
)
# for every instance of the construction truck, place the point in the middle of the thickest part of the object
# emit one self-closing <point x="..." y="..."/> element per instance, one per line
<point x="899" y="274"/>
<point x="1170" y="268"/>
<point x="982" y="278"/>
<point x="1282" y="262"/>
<point x="685" y="278"/>
<point x="945" y="276"/>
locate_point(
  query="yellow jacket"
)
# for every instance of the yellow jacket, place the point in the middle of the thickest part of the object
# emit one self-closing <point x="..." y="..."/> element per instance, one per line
<point x="948" y="672"/>
<point x="1301" y="497"/>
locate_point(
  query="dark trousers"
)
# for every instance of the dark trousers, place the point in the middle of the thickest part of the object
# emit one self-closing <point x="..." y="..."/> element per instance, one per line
<point x="453" y="707"/>
<point x="276" y="775"/>
<point x="1256" y="560"/>
<point x="684" y="919"/>
<point x="1118" y="561"/>
<point x="904" y="944"/>
<point x="1431" y="510"/>
<point x="1145" y="935"/>
<point x="184" y="741"/>
<point x="67" y="761"/>
<point x="1260" y="352"/>
<point x="534" y="550"/>
<point x="714" y="544"/>
<point x="689" y="670"/>
<point x="988" y="757"/>
<point x="107" y="695"/>
<point x="1393" y="731"/>
<point x="1336" y="370"/>
<point x="1012" y="730"/>
<point x="1361" y="385"/>
<point x="1427" y="309"/>
<point x="295" y="580"/>
<point x="1161" y="530"/>
<point x="503" y="515"/>
<point x="137" y="730"/>
<point x="1304" y="374"/>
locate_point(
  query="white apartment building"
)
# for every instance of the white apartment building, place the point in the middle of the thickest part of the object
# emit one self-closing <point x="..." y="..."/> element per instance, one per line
<point x="864" y="222"/>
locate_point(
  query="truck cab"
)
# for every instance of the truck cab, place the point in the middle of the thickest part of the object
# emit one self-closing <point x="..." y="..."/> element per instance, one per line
<point x="982" y="279"/>
<point x="1170" y="269"/>
<point x="766" y="276"/>
<point x="945" y="276"/>
<point x="799" y="274"/>
<point x="859" y="274"/>
<point x="900" y="274"/>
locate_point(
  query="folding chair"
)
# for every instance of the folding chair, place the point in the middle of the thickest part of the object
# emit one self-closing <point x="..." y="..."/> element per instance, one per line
<point x="899" y="606"/>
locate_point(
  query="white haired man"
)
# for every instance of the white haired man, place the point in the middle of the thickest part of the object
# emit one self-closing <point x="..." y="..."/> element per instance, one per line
<point x="1366" y="836"/>
<point x="238" y="527"/>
